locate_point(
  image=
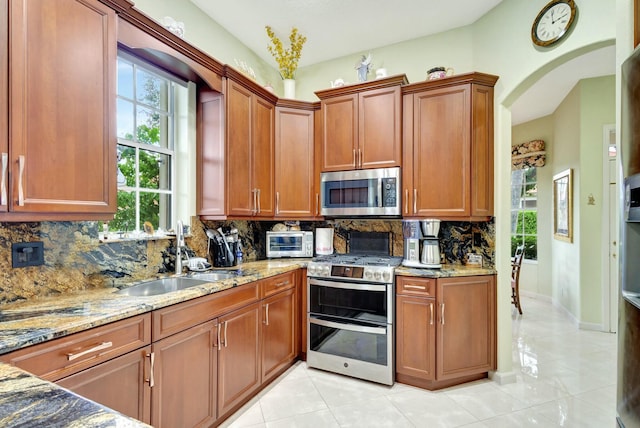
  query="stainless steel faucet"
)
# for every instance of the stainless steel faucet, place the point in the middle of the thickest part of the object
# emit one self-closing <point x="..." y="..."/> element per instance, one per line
<point x="180" y="247"/>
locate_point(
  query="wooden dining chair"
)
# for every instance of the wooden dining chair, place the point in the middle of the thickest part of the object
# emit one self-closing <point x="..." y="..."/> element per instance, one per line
<point x="516" y="265"/>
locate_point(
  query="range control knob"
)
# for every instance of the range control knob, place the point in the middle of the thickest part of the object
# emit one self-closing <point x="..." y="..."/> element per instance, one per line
<point x="367" y="274"/>
<point x="377" y="275"/>
<point x="325" y="270"/>
<point x="386" y="276"/>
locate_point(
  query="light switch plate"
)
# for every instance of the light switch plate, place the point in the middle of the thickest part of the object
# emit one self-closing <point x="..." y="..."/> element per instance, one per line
<point x="25" y="254"/>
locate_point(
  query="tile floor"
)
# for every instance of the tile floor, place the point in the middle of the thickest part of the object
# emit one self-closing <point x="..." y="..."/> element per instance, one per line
<point x="565" y="378"/>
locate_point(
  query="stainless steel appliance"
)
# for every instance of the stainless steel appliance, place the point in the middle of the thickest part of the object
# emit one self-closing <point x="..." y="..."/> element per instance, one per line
<point x="350" y="315"/>
<point x="421" y="244"/>
<point x="291" y="243"/>
<point x="366" y="192"/>
<point x="628" y="384"/>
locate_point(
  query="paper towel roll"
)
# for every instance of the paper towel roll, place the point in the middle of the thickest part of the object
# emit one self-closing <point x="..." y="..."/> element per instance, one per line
<point x="324" y="240"/>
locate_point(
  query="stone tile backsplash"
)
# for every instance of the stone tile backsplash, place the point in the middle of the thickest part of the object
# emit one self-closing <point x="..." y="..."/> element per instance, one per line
<point x="76" y="259"/>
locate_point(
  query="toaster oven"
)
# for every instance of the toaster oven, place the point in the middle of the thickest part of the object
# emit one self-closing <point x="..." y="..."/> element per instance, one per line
<point x="291" y="243"/>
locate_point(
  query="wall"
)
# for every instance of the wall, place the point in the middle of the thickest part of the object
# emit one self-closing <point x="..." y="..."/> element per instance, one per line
<point x="535" y="276"/>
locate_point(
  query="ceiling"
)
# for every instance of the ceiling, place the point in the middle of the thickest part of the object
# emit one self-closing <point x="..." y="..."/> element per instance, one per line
<point x="337" y="28"/>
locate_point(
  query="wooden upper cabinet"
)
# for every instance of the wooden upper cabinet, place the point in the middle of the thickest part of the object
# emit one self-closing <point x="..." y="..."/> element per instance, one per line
<point x="448" y="148"/>
<point x="362" y="125"/>
<point x="62" y="77"/>
<point x="4" y="107"/>
<point x="210" y="155"/>
<point x="294" y="163"/>
<point x="250" y="152"/>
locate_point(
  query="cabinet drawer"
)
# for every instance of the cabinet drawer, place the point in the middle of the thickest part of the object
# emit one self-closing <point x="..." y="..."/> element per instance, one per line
<point x="412" y="286"/>
<point x="278" y="283"/>
<point x="175" y="318"/>
<point x="62" y="357"/>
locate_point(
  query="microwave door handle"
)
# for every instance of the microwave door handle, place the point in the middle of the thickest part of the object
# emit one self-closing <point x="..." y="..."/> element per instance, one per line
<point x="379" y="192"/>
<point x="350" y="327"/>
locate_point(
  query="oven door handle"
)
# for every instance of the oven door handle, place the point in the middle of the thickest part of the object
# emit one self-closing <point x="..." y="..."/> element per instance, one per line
<point x="350" y="327"/>
<point x="348" y="286"/>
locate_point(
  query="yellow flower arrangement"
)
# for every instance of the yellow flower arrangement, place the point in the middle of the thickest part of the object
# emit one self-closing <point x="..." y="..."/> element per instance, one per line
<point x="287" y="59"/>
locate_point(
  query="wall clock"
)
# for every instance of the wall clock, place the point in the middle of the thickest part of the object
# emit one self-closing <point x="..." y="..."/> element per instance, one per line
<point x="553" y="22"/>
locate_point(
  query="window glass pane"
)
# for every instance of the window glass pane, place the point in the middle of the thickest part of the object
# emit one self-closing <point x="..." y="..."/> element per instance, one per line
<point x="155" y="170"/>
<point x="125" y="119"/>
<point x="125" y="78"/>
<point x="125" y="218"/>
<point x="151" y="90"/>
<point x="126" y="165"/>
<point x="156" y="209"/>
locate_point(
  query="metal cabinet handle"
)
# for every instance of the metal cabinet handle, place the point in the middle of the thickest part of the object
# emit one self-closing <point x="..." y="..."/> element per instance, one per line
<point x="415" y="201"/>
<point x="417" y="287"/>
<point x="431" y="312"/>
<point x="406" y="201"/>
<point x="317" y="203"/>
<point x="258" y="198"/>
<point x="360" y="158"/>
<point x="442" y="313"/>
<point x="100" y="347"/>
<point x="151" y="380"/>
<point x="282" y="283"/>
<point x="3" y="185"/>
<point x="225" y="333"/>
<point x="219" y="344"/>
<point x="277" y="203"/>
<point x="266" y="315"/>
<point x="355" y="164"/>
<point x="21" y="175"/>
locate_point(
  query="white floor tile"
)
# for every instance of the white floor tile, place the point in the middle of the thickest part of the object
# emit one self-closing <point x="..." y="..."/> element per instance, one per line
<point x="565" y="378"/>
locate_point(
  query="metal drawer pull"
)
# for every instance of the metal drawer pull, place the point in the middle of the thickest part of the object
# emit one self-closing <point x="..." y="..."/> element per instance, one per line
<point x="282" y="283"/>
<point x="100" y="347"/>
<point x="417" y="287"/>
<point x="21" y="175"/>
<point x="3" y="186"/>
<point x="151" y="381"/>
<point x="266" y="321"/>
<point x="431" y="311"/>
<point x="442" y="311"/>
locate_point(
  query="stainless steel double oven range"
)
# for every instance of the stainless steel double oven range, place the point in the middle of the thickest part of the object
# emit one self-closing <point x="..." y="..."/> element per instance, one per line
<point x="350" y="315"/>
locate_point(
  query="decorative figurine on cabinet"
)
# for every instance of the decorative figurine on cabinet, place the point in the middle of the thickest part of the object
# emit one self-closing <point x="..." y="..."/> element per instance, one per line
<point x="364" y="67"/>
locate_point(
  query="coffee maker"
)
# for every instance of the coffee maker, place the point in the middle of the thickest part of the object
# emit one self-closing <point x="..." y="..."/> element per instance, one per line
<point x="421" y="244"/>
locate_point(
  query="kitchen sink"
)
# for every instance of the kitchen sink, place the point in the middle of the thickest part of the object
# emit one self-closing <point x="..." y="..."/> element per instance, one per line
<point x="162" y="286"/>
<point x="215" y="276"/>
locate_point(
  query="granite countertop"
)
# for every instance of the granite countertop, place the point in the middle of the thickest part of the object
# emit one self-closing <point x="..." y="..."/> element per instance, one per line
<point x="26" y="399"/>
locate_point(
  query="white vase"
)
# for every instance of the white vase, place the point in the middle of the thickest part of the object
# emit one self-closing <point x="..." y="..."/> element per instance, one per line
<point x="289" y="88"/>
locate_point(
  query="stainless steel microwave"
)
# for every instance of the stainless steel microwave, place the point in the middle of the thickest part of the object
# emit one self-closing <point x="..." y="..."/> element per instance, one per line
<point x="291" y="243"/>
<point x="632" y="198"/>
<point x="364" y="192"/>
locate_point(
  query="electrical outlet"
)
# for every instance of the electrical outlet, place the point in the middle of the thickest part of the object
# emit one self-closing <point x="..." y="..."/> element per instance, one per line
<point x="25" y="254"/>
<point x="477" y="239"/>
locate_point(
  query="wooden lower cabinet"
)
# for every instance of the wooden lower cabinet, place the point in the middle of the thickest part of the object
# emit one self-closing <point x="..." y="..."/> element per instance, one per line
<point x="278" y="333"/>
<point x="118" y="384"/>
<point x="446" y="336"/>
<point x="238" y="357"/>
<point x="184" y="378"/>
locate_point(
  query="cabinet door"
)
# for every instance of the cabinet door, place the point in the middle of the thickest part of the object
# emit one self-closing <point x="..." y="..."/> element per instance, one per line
<point x="184" y="377"/>
<point x="263" y="117"/>
<point x="278" y="333"/>
<point x="379" y="128"/>
<point x="63" y="146"/>
<point x="294" y="165"/>
<point x="240" y="195"/>
<point x="466" y="330"/>
<point x="482" y="151"/>
<point x="415" y="337"/>
<point x="340" y="133"/>
<point x="210" y="173"/>
<point x="441" y="152"/>
<point x="118" y="384"/>
<point x="239" y="357"/>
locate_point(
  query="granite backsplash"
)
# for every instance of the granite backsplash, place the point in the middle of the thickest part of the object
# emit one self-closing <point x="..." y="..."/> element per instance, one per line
<point x="76" y="258"/>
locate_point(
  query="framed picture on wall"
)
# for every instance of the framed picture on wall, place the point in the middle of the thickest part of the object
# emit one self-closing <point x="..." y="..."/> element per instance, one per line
<point x="563" y="206"/>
